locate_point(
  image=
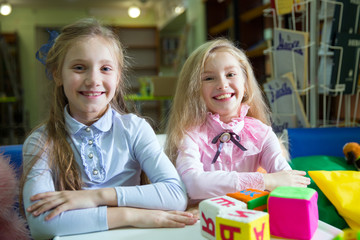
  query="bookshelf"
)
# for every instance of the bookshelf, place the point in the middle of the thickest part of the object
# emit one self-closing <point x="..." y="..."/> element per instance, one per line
<point x="247" y="23"/>
<point x="339" y="55"/>
<point x="330" y="97"/>
<point x="12" y="122"/>
<point x="169" y="49"/>
<point x="142" y="47"/>
<point x="173" y="37"/>
<point x="244" y="23"/>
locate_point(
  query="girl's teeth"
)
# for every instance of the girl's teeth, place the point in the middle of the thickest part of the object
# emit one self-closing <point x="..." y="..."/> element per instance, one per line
<point x="92" y="94"/>
<point x="223" y="96"/>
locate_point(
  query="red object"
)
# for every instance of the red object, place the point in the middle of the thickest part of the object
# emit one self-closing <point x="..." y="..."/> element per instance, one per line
<point x="12" y="226"/>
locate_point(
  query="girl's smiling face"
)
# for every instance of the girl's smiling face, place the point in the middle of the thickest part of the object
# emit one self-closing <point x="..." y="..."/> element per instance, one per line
<point x="90" y="76"/>
<point x="222" y="86"/>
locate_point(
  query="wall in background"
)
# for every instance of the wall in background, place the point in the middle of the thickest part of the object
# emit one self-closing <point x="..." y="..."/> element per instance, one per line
<point x="26" y="22"/>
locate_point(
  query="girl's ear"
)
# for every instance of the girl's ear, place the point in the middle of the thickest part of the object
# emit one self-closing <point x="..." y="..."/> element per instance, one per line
<point x="118" y="83"/>
<point x="57" y="79"/>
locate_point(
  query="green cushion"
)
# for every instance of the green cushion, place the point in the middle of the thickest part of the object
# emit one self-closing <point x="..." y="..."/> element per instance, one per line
<point x="327" y="211"/>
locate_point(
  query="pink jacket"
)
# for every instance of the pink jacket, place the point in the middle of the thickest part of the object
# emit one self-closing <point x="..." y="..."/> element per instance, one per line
<point x="234" y="169"/>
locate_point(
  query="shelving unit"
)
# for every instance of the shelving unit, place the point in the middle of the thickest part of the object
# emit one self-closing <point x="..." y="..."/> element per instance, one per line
<point x="142" y="47"/>
<point x="12" y="126"/>
<point x="326" y="105"/>
<point x="244" y="23"/>
<point x="173" y="37"/>
<point x="337" y="97"/>
<point x="169" y="49"/>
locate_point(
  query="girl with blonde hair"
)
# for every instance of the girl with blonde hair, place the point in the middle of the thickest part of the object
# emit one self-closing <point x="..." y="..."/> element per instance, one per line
<point x="82" y="166"/>
<point x="219" y="131"/>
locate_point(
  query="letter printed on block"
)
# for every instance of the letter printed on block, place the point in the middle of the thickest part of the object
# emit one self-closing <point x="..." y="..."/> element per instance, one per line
<point x="241" y="214"/>
<point x="251" y="193"/>
<point x="227" y="232"/>
<point x="223" y="202"/>
<point x="209" y="222"/>
<point x="210" y="208"/>
<point x="252" y="225"/>
<point x="259" y="235"/>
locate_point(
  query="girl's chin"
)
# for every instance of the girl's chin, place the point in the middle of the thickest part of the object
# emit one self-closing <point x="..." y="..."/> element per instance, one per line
<point x="227" y="117"/>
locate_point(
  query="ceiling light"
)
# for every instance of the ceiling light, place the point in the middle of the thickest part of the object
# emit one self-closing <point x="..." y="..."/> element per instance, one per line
<point x="179" y="9"/>
<point x="134" y="12"/>
<point x="5" y="9"/>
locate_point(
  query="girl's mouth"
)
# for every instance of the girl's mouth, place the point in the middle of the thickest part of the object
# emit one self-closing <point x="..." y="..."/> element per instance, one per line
<point x="224" y="96"/>
<point x="91" y="94"/>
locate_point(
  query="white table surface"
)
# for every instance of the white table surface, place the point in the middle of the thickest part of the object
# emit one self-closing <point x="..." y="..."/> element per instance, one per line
<point x="324" y="232"/>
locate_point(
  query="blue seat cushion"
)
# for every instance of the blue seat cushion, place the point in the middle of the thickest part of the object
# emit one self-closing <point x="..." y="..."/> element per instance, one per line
<point x="14" y="152"/>
<point x="321" y="141"/>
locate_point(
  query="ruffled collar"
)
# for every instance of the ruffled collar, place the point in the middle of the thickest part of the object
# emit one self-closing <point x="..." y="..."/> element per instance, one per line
<point x="213" y="125"/>
<point x="103" y="124"/>
<point x="234" y="122"/>
<point x="249" y="133"/>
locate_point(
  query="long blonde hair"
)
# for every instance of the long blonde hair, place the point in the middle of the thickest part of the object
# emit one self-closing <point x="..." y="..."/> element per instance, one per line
<point x="65" y="170"/>
<point x="189" y="109"/>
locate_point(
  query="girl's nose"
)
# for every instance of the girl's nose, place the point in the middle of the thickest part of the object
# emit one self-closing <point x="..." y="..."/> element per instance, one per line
<point x="222" y="83"/>
<point x="92" y="78"/>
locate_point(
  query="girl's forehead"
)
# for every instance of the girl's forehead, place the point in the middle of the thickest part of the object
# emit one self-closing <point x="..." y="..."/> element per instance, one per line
<point x="83" y="40"/>
<point x="222" y="52"/>
<point x="223" y="55"/>
<point x="89" y="45"/>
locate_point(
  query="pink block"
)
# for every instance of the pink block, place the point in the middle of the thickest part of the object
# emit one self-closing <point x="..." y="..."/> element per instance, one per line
<point x="293" y="218"/>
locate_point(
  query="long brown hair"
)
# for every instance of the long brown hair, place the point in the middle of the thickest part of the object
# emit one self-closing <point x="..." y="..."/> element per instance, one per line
<point x="189" y="109"/>
<point x="62" y="162"/>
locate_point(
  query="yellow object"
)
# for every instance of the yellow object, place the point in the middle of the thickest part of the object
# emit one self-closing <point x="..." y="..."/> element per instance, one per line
<point x="342" y="189"/>
<point x="348" y="234"/>
<point x="283" y="6"/>
<point x="242" y="224"/>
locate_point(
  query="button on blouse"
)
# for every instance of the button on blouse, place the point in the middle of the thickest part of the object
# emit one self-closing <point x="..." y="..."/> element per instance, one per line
<point x="90" y="153"/>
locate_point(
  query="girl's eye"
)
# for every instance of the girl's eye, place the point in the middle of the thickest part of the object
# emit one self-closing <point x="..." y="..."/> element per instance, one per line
<point x="231" y="74"/>
<point x="78" y="67"/>
<point x="106" y="69"/>
<point x="208" y="78"/>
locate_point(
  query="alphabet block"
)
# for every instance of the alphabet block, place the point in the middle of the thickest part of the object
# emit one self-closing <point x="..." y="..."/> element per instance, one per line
<point x="210" y="208"/>
<point x="293" y="212"/>
<point x="255" y="199"/>
<point x="236" y="224"/>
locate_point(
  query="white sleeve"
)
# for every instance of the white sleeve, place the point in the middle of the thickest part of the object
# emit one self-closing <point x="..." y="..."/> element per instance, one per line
<point x="166" y="191"/>
<point x="40" y="180"/>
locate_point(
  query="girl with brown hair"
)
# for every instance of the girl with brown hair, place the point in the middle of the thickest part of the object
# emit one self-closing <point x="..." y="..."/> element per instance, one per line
<point x="82" y="166"/>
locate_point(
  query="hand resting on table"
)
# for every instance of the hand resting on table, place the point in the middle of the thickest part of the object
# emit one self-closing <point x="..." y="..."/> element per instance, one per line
<point x="293" y="178"/>
<point x="61" y="201"/>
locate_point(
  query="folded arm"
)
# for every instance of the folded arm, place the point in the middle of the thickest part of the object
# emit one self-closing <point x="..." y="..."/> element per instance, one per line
<point x="68" y="222"/>
<point x="51" y="213"/>
<point x="203" y="184"/>
<point x="166" y="191"/>
<point x="279" y="172"/>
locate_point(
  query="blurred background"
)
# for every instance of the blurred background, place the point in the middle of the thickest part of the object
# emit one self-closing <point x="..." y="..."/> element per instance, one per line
<point x="158" y="36"/>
